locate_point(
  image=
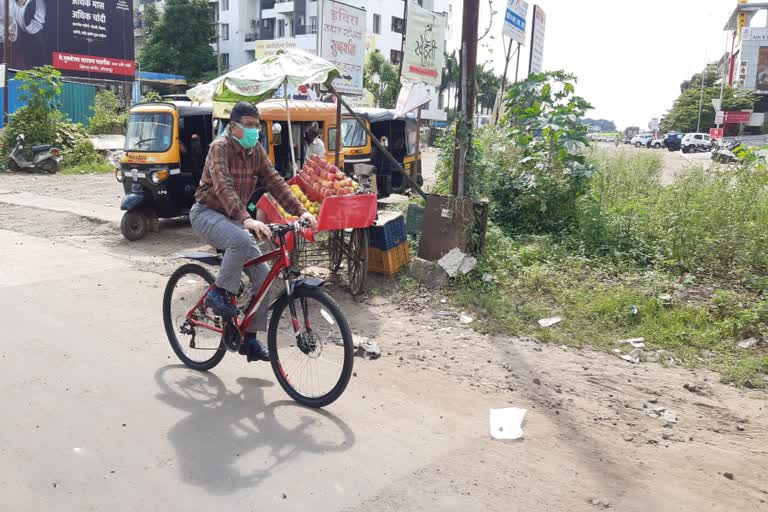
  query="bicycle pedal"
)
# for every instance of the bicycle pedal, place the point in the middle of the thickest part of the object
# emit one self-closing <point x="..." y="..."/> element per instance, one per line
<point x="231" y="336"/>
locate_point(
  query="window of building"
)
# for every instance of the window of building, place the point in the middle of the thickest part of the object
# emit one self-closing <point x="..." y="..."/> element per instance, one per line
<point x="377" y="23"/>
<point x="398" y="25"/>
<point x="224" y="61"/>
<point x="280" y="28"/>
<point x="313" y="24"/>
<point x="396" y="56"/>
<point x="224" y="5"/>
<point x="225" y="31"/>
<point x="291" y="31"/>
<point x="214" y="11"/>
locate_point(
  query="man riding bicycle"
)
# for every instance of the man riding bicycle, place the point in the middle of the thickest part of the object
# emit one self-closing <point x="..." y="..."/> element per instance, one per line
<point x="235" y="166"/>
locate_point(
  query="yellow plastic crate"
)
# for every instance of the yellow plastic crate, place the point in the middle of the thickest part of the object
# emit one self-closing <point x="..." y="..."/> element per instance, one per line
<point x="390" y="261"/>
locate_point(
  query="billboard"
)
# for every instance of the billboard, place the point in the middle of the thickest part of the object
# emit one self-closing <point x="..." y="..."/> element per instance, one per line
<point x="342" y="42"/>
<point x="536" y="62"/>
<point x="423" y="54"/>
<point x="761" y="84"/>
<point x="514" y="20"/>
<point x="86" y="38"/>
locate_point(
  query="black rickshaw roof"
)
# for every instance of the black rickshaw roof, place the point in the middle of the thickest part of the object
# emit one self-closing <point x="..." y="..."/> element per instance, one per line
<point x="194" y="110"/>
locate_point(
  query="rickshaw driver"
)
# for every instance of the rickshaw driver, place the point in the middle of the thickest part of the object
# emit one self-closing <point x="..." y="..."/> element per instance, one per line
<point x="235" y="165"/>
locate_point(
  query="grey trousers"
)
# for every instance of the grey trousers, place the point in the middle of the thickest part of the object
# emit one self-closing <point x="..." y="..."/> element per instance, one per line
<point x="240" y="246"/>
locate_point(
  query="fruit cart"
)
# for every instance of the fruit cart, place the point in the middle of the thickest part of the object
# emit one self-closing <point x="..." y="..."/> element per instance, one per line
<point x="345" y="214"/>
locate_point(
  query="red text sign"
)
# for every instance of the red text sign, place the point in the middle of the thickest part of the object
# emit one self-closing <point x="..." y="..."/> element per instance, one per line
<point x="90" y="64"/>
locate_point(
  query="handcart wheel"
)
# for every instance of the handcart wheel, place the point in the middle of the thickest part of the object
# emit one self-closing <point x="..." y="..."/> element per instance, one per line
<point x="336" y="249"/>
<point x="357" y="260"/>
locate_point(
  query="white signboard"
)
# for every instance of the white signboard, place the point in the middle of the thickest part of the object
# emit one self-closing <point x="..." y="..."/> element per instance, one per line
<point x="537" y="40"/>
<point x="2" y="75"/>
<point x="754" y="34"/>
<point x="719" y="117"/>
<point x="514" y="20"/>
<point x="424" y="45"/>
<point x="343" y="39"/>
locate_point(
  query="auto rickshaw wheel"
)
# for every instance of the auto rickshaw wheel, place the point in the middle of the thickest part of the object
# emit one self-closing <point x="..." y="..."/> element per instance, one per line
<point x="357" y="260"/>
<point x="403" y="186"/>
<point x="134" y="225"/>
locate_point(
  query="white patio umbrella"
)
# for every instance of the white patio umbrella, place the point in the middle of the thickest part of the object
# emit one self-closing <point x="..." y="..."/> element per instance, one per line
<point x="259" y="80"/>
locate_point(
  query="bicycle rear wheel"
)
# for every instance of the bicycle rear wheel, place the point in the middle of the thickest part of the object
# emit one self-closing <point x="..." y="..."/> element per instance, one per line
<point x="315" y="365"/>
<point x="197" y="347"/>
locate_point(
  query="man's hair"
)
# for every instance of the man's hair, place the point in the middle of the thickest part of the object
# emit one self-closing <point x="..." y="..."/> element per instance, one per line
<point x="313" y="128"/>
<point x="241" y="110"/>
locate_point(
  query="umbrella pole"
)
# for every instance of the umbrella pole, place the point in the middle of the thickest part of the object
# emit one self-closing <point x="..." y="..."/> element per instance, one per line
<point x="290" y="130"/>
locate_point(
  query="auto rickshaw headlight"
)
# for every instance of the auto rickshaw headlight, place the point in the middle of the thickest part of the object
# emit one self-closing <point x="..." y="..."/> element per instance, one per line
<point x="159" y="176"/>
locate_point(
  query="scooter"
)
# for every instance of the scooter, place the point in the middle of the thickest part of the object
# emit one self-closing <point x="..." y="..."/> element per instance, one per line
<point x="44" y="158"/>
<point x="727" y="154"/>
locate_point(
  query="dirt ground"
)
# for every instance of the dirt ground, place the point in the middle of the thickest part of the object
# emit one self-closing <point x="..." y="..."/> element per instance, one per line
<point x="600" y="432"/>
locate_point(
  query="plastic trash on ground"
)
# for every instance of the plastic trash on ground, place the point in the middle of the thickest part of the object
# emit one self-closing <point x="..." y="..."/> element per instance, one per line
<point x="507" y="423"/>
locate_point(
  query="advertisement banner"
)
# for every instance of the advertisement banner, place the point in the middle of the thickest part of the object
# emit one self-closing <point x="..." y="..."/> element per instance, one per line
<point x="761" y="84"/>
<point x="343" y="40"/>
<point x="536" y="62"/>
<point x="514" y="20"/>
<point x="267" y="48"/>
<point x="423" y="58"/>
<point x="716" y="133"/>
<point x="737" y="117"/>
<point x="87" y="38"/>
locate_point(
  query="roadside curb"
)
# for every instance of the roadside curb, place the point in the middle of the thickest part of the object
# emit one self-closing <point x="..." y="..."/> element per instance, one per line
<point x="89" y="211"/>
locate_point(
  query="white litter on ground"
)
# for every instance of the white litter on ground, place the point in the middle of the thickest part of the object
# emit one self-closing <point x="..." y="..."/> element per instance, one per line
<point x="549" y="322"/>
<point x="507" y="423"/>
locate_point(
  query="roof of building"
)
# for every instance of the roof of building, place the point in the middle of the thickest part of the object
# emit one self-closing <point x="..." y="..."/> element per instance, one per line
<point x="751" y="9"/>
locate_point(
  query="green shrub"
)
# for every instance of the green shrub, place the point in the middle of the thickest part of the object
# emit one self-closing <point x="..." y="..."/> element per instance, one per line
<point x="107" y="114"/>
<point x="83" y="153"/>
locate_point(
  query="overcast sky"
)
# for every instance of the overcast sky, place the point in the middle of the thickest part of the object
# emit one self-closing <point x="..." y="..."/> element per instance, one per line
<point x="629" y="55"/>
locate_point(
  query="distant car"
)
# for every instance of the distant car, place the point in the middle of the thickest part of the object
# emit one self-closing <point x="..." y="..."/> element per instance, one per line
<point x="672" y="141"/>
<point x="627" y="140"/>
<point x="696" y="143"/>
<point x="642" y="140"/>
<point x="657" y="143"/>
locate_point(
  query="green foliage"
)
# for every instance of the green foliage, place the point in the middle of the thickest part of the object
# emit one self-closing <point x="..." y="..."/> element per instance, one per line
<point x="106" y="113"/>
<point x="38" y="119"/>
<point x="180" y="43"/>
<point x="382" y="80"/>
<point x="83" y="153"/>
<point x="487" y="88"/>
<point x="150" y="20"/>
<point x="684" y="114"/>
<point x="151" y="96"/>
<point x="536" y="191"/>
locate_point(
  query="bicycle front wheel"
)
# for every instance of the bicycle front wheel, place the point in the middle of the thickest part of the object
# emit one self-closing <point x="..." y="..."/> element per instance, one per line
<point x="313" y="365"/>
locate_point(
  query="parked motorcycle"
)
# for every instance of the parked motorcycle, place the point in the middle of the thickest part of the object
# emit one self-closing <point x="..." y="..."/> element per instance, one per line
<point x="728" y="153"/>
<point x="44" y="158"/>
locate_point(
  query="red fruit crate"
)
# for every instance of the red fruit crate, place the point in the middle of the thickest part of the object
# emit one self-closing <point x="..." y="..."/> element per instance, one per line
<point x="390" y="261"/>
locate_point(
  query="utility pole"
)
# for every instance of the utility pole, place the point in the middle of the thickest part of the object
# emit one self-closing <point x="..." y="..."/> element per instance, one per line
<point x="468" y="67"/>
<point x="517" y="66"/>
<point x="6" y="58"/>
<point x="701" y="100"/>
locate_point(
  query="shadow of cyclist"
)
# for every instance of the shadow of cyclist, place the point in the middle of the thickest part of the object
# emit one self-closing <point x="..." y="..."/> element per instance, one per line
<point x="223" y="426"/>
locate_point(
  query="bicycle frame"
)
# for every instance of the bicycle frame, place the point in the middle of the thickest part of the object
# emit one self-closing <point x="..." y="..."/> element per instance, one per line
<point x="282" y="258"/>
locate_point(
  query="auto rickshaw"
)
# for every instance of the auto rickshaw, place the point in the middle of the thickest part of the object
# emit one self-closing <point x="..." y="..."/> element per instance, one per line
<point x="274" y="133"/>
<point x="165" y="149"/>
<point x="398" y="135"/>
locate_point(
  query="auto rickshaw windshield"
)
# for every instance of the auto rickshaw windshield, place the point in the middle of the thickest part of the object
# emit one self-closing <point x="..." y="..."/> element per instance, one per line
<point x="149" y="132"/>
<point x="353" y="135"/>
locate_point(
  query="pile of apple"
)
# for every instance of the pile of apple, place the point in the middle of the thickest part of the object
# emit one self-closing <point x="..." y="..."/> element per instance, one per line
<point x="323" y="179"/>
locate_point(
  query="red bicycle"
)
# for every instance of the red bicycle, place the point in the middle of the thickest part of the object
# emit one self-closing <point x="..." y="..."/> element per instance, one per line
<point x="309" y="339"/>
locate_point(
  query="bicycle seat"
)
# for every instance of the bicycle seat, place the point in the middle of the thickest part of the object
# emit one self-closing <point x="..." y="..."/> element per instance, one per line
<point x="40" y="149"/>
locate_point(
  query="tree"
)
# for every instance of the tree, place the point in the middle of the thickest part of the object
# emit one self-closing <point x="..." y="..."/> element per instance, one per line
<point x="450" y="78"/>
<point x="684" y="114"/>
<point x="151" y="19"/>
<point x="487" y="88"/>
<point x="38" y="120"/>
<point x="180" y="42"/>
<point x="604" y="124"/>
<point x="382" y="80"/>
<point x="711" y="76"/>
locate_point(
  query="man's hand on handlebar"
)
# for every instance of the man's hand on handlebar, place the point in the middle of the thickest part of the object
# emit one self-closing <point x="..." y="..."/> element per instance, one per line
<point x="310" y="219"/>
<point x="259" y="228"/>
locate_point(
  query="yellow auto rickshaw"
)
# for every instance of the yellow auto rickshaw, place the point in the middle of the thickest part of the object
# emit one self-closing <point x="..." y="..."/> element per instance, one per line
<point x="274" y="133"/>
<point x="165" y="149"/>
<point x="398" y="135"/>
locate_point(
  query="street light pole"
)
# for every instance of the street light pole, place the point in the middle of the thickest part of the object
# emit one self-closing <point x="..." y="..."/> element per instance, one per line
<point x="701" y="100"/>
